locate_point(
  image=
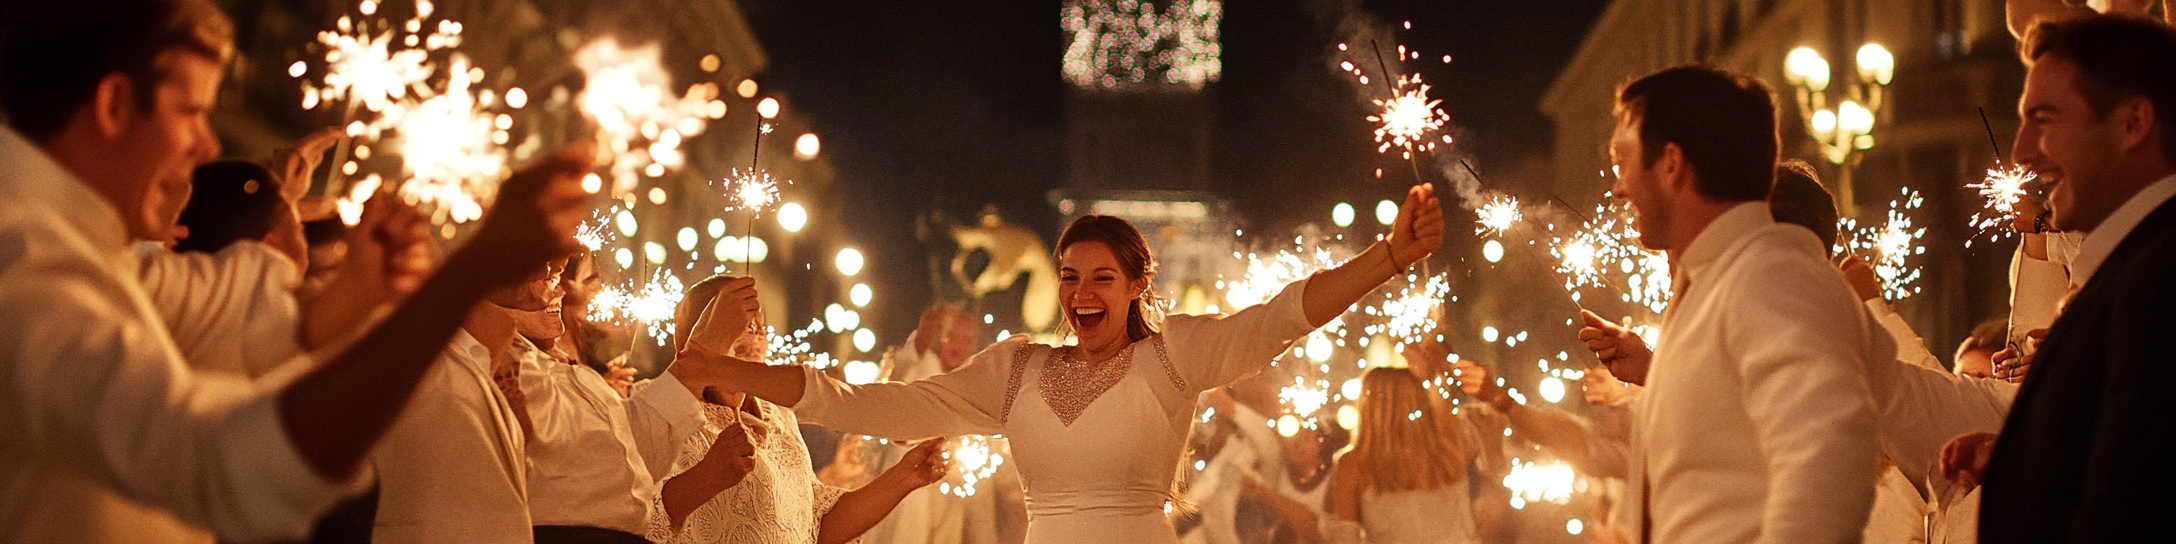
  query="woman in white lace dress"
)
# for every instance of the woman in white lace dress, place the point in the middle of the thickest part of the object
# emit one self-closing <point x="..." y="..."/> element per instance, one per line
<point x="1405" y="479"/>
<point x="777" y="500"/>
<point x="1097" y="428"/>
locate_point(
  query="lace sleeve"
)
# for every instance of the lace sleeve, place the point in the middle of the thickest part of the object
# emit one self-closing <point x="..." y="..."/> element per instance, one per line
<point x="823" y="497"/>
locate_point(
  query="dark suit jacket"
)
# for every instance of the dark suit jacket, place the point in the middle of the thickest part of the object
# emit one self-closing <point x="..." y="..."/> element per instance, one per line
<point x="2088" y="453"/>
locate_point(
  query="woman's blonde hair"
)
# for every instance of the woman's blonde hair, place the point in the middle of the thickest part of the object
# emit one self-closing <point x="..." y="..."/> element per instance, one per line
<point x="1403" y="443"/>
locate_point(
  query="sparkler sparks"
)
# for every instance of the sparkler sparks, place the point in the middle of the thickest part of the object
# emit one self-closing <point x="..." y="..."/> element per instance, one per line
<point x="650" y="304"/>
<point x="1530" y="482"/>
<point x="2003" y="188"/>
<point x="752" y="190"/>
<point x="1412" y="311"/>
<point x="453" y="149"/>
<point x="1408" y="118"/>
<point x="639" y="122"/>
<point x="1891" y="247"/>
<point x="1265" y="277"/>
<point x="1609" y="243"/>
<point x="973" y="461"/>
<point x="1498" y="215"/>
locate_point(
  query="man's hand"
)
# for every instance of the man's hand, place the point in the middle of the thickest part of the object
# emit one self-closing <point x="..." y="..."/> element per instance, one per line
<point x="2025" y="212"/>
<point x="921" y="466"/>
<point x="1860" y="276"/>
<point x="2012" y="362"/>
<point x="725" y="319"/>
<point x="295" y="165"/>
<point x="1418" y="231"/>
<point x="534" y="218"/>
<point x="1474" y="380"/>
<point x="620" y="376"/>
<point x="1624" y="352"/>
<point x="1964" y="458"/>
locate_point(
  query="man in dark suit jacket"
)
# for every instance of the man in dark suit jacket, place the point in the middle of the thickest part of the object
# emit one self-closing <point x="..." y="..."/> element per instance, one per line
<point x="2088" y="453"/>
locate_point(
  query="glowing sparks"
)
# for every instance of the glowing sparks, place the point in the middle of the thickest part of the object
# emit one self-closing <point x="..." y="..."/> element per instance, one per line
<point x="1265" y="277"/>
<point x="1498" y="215"/>
<point x="1118" y="44"/>
<point x="650" y="304"/>
<point x="1892" y="248"/>
<point x="1412" y="311"/>
<point x="1304" y="397"/>
<point x="2002" y="188"/>
<point x="452" y="149"/>
<point x="974" y="460"/>
<point x="639" y="122"/>
<point x="374" y="71"/>
<point x="752" y="190"/>
<point x="1530" y="482"/>
<point x="1608" y="247"/>
<point x="1408" y="119"/>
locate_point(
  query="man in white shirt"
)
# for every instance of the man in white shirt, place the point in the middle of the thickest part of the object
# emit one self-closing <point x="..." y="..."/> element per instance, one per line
<point x="101" y="405"/>
<point x="595" y="460"/>
<point x="1757" y="425"/>
<point x="2084" y="454"/>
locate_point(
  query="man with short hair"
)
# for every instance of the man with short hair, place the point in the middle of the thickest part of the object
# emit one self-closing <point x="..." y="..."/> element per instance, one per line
<point x="2084" y="455"/>
<point x="1757" y="425"/>
<point x="101" y="406"/>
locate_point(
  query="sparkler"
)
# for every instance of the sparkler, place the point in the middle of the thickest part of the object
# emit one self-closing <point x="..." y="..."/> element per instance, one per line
<point x="639" y="122"/>
<point x="1607" y="242"/>
<point x="1891" y="246"/>
<point x="1530" y="482"/>
<point x="650" y="304"/>
<point x="1498" y="215"/>
<point x="1411" y="312"/>
<point x="2003" y="188"/>
<point x="973" y="461"/>
<point x="380" y="74"/>
<point x="1265" y="277"/>
<point x="1408" y="118"/>
<point x="452" y="148"/>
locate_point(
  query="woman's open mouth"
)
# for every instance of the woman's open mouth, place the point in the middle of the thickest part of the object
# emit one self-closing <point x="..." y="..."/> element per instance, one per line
<point x="1088" y="318"/>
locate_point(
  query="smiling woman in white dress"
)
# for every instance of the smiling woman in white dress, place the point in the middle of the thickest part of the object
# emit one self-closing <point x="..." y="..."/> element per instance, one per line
<point x="1098" y="427"/>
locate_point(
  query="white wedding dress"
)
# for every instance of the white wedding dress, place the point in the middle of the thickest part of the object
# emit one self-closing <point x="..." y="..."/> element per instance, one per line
<point x="1105" y="475"/>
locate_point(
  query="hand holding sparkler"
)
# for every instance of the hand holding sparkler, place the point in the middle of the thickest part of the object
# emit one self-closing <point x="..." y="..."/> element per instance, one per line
<point x="726" y="319"/>
<point x="1474" y="380"/>
<point x="1623" y="351"/>
<point x="1418" y="230"/>
<point x="297" y="165"/>
<point x="919" y="467"/>
<point x="1860" y="276"/>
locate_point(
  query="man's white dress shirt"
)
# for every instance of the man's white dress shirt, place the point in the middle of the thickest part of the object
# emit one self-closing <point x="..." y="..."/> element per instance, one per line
<point x="2111" y="232"/>
<point x="96" y="402"/>
<point x="587" y="464"/>
<point x="453" y="468"/>
<point x="1757" y="425"/>
<point x="232" y="311"/>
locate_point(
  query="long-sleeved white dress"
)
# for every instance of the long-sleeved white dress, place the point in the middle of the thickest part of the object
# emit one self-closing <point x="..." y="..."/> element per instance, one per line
<point x="1105" y="475"/>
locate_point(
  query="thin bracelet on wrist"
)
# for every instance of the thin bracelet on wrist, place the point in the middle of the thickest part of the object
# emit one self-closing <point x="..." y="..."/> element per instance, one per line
<point x="2040" y="222"/>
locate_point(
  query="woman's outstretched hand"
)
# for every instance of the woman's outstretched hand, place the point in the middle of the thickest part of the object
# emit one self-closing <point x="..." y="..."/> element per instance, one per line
<point x="1418" y="230"/>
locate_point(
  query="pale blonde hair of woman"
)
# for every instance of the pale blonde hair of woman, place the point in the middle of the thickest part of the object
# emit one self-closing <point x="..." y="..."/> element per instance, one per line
<point x="1403" y="442"/>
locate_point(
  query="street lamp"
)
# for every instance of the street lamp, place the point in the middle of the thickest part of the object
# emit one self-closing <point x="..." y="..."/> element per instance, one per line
<point x="1846" y="129"/>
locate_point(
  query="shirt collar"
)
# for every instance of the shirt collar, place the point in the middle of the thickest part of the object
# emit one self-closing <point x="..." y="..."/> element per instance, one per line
<point x="33" y="177"/>
<point x="2111" y="232"/>
<point x="468" y="351"/>
<point x="1717" y="238"/>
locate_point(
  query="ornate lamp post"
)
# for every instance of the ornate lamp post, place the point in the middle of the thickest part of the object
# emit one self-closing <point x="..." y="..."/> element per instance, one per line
<point x="1846" y="129"/>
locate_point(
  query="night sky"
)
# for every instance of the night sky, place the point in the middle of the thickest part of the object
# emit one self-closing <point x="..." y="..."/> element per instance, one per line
<point x="949" y="105"/>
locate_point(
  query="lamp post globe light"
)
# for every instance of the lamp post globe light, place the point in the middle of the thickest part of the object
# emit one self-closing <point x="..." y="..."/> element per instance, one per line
<point x="1846" y="129"/>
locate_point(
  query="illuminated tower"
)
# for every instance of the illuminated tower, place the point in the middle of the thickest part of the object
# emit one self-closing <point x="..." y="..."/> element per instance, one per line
<point x="1136" y="116"/>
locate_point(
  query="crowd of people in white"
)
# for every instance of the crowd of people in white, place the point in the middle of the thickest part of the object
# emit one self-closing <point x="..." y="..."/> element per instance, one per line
<point x="182" y="365"/>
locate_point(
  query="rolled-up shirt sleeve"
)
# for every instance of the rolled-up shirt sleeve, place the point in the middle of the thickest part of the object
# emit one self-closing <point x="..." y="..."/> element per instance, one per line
<point x="662" y="414"/>
<point x="969" y="400"/>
